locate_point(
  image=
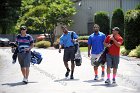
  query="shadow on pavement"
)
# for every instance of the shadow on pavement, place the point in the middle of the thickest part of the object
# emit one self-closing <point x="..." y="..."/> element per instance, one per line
<point x="17" y="84"/>
<point x="66" y="79"/>
<point x="91" y="81"/>
<point x="106" y="85"/>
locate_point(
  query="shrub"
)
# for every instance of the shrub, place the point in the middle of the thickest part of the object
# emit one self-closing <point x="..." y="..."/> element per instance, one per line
<point x="118" y="20"/>
<point x="132" y="29"/>
<point x="124" y="52"/>
<point x="43" y="44"/>
<point x="102" y="19"/>
<point x="135" y="52"/>
<point x="83" y="43"/>
<point x="83" y="37"/>
<point x="137" y="7"/>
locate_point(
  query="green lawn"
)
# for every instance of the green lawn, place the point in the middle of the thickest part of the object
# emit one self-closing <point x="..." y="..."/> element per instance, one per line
<point x="83" y="49"/>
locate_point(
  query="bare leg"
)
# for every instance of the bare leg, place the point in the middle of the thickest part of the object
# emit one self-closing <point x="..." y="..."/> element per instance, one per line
<point x="72" y="69"/>
<point x="23" y="72"/>
<point x="27" y="72"/>
<point x="67" y="67"/>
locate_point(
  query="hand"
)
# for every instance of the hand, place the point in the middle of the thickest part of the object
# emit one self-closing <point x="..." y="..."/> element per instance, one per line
<point x="59" y="51"/>
<point x="88" y="54"/>
<point x="109" y="45"/>
<point x="27" y="49"/>
<point x="112" y="37"/>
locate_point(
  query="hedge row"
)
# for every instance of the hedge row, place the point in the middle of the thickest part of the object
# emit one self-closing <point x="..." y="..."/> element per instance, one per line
<point x="132" y="29"/>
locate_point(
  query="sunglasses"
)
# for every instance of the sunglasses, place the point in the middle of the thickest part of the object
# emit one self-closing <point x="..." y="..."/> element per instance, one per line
<point x="22" y="29"/>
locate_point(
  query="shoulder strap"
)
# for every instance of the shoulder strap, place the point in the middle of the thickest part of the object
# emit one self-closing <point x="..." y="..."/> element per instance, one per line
<point x="18" y="36"/>
<point x="72" y="35"/>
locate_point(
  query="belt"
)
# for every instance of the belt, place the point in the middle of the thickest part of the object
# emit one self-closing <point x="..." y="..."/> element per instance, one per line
<point x="69" y="47"/>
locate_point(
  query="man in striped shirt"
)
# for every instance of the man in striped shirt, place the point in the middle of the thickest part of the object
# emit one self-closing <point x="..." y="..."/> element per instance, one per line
<point x="25" y="44"/>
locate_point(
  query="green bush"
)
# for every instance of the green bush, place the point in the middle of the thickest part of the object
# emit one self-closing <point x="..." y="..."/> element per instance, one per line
<point x="83" y="37"/>
<point x="137" y="7"/>
<point x="132" y="29"/>
<point x="83" y="43"/>
<point x="118" y="20"/>
<point x="124" y="52"/>
<point x="102" y="19"/>
<point x="43" y="44"/>
<point x="135" y="52"/>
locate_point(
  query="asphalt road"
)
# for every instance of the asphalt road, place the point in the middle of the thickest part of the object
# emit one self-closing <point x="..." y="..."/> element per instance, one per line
<point x="48" y="77"/>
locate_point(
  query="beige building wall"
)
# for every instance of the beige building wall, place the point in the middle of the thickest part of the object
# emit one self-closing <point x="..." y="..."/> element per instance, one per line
<point x="88" y="8"/>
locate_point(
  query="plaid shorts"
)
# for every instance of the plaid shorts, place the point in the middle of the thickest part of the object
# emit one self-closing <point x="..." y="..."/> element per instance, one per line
<point x="24" y="59"/>
<point x="112" y="61"/>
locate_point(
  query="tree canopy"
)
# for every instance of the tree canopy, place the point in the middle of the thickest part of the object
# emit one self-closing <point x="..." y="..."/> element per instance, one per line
<point x="45" y="14"/>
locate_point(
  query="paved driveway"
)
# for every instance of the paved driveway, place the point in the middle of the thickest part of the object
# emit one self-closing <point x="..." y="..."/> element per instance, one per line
<point x="48" y="77"/>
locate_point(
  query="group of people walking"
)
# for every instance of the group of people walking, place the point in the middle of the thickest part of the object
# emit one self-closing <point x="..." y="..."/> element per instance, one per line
<point x="96" y="43"/>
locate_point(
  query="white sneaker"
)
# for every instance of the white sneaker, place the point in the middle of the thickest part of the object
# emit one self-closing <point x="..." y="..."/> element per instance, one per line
<point x="108" y="81"/>
<point x="13" y="62"/>
<point x="25" y="80"/>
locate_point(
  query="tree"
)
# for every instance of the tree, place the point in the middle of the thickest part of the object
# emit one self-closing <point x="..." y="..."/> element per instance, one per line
<point x="49" y="12"/>
<point x="132" y="29"/>
<point x="118" y="20"/>
<point x="9" y="14"/>
<point x="102" y="19"/>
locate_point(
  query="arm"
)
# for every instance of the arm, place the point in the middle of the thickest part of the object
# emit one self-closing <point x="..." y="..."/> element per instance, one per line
<point x="89" y="48"/>
<point x="60" y="47"/>
<point x="117" y="43"/>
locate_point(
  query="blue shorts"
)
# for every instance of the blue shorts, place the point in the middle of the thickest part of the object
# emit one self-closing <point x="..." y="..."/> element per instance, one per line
<point x="112" y="61"/>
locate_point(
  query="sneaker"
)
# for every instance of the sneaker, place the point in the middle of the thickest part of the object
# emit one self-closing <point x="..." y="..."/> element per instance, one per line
<point x="113" y="81"/>
<point x="107" y="81"/>
<point x="67" y="73"/>
<point x="13" y="62"/>
<point x="96" y="77"/>
<point x="25" y="80"/>
<point x="103" y="74"/>
<point x="71" y="77"/>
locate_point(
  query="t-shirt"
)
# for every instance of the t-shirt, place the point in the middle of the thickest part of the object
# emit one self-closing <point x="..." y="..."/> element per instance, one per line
<point x="23" y="42"/>
<point x="114" y="50"/>
<point x="96" y="42"/>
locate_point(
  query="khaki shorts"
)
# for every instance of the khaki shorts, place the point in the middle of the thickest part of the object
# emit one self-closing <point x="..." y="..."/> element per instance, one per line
<point x="94" y="58"/>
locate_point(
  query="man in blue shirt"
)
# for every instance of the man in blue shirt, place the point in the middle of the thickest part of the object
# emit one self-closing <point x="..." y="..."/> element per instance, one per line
<point x="69" y="50"/>
<point x="95" y="44"/>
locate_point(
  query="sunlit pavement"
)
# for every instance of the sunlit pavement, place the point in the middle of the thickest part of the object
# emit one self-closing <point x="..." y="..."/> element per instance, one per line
<point x="48" y="77"/>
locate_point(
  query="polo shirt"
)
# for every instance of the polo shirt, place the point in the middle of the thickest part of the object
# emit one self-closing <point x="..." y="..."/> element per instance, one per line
<point x="96" y="42"/>
<point x="113" y="49"/>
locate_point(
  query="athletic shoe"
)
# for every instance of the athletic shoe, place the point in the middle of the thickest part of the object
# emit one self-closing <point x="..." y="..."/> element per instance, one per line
<point x="13" y="62"/>
<point x="114" y="81"/>
<point x="107" y="81"/>
<point x="71" y="77"/>
<point x="103" y="74"/>
<point x="96" y="77"/>
<point x="25" y="80"/>
<point x="67" y="73"/>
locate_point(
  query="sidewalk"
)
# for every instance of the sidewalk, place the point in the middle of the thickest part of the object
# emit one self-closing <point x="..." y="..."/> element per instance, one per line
<point x="49" y="76"/>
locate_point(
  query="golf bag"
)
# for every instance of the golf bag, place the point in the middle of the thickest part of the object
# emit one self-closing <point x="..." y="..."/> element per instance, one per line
<point x="36" y="57"/>
<point x="102" y="59"/>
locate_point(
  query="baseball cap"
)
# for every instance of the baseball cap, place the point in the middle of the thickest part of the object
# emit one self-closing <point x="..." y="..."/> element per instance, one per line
<point x="23" y="28"/>
<point x="116" y="28"/>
